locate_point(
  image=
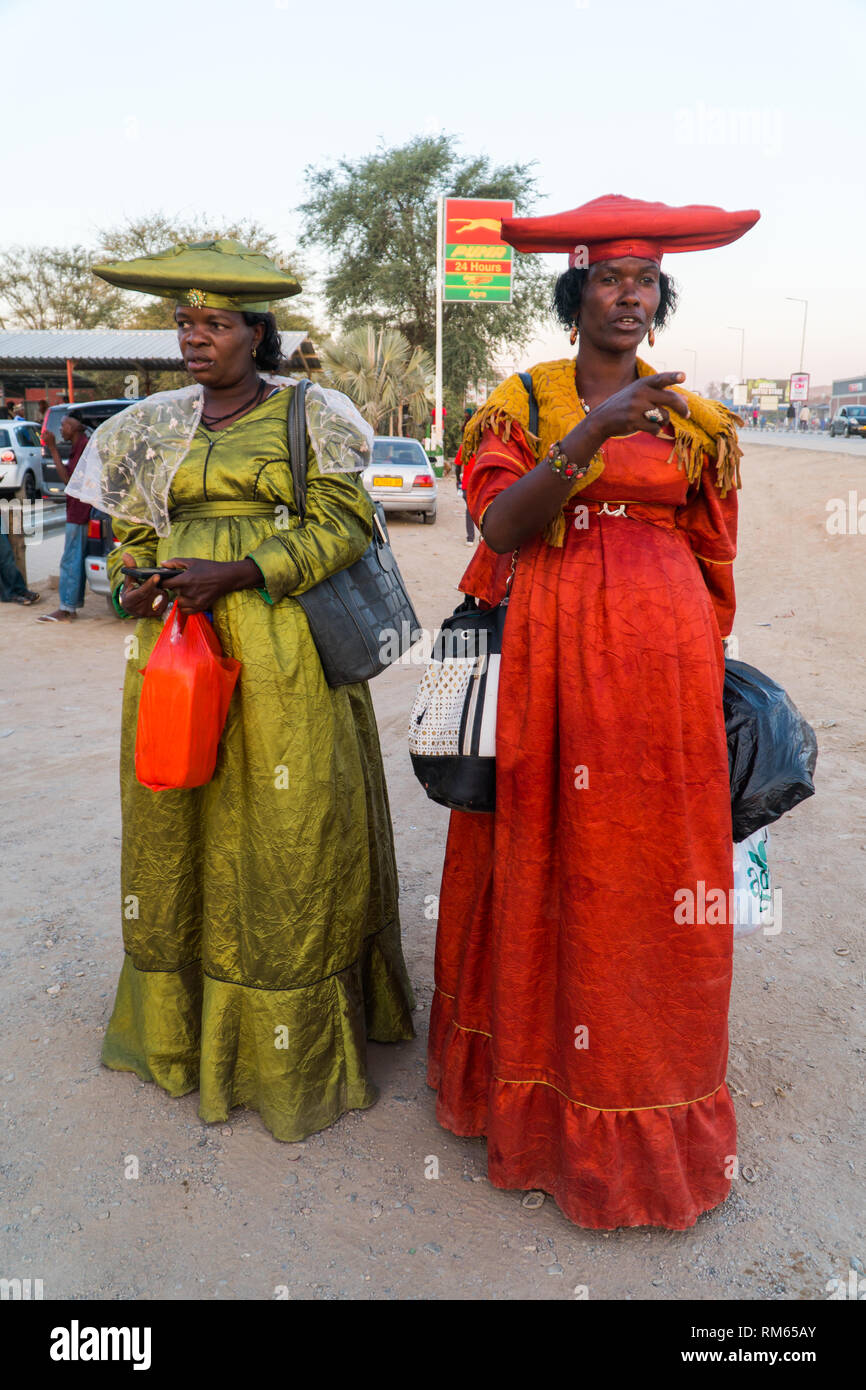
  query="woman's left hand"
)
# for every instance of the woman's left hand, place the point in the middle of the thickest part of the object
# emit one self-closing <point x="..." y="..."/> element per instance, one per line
<point x="200" y="583"/>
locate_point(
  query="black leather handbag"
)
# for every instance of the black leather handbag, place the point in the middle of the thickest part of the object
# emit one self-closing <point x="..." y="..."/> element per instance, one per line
<point x="361" y="618"/>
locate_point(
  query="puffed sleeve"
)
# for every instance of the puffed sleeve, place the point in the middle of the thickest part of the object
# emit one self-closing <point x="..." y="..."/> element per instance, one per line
<point x="710" y="523"/>
<point x="136" y="539"/>
<point x="498" y="464"/>
<point x="337" y="529"/>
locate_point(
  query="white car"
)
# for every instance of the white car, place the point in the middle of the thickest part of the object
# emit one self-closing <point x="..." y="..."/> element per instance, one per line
<point x="401" y="477"/>
<point x="20" y="459"/>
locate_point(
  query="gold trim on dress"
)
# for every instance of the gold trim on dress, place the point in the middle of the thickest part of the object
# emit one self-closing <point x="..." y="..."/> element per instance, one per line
<point x="602" y="1109"/>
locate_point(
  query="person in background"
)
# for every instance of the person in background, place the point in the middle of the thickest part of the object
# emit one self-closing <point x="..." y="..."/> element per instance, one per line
<point x="805" y="417"/>
<point x="72" y="576"/>
<point x="755" y="417"/>
<point x="12" y="586"/>
<point x="790" y="416"/>
<point x="458" y="461"/>
<point x="463" y="468"/>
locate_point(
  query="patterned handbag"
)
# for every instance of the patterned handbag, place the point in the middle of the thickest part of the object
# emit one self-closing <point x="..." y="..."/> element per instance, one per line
<point x="452" y="729"/>
<point x="361" y="618"/>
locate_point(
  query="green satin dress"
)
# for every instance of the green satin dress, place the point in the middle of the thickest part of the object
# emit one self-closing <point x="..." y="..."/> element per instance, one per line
<point x="260" y="918"/>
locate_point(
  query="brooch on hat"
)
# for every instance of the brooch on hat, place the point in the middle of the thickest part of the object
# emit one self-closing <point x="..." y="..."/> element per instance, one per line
<point x="197" y="299"/>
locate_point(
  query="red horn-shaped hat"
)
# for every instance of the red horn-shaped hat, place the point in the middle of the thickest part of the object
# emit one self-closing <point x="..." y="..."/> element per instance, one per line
<point x="615" y="226"/>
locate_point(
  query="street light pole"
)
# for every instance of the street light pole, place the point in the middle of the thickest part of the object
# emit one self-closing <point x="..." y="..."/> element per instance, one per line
<point x="735" y="328"/>
<point x="805" y="303"/>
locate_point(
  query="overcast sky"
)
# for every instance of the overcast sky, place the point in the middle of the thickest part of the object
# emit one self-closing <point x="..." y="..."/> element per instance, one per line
<point x="114" y="110"/>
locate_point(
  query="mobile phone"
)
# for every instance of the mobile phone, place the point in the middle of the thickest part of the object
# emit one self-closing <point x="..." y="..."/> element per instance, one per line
<point x="141" y="574"/>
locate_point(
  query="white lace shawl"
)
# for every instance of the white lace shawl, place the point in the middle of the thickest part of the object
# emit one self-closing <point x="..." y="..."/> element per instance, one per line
<point x="129" y="462"/>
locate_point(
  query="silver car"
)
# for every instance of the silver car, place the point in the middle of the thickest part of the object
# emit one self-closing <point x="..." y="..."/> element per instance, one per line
<point x="20" y="459"/>
<point x="401" y="477"/>
<point x="100" y="543"/>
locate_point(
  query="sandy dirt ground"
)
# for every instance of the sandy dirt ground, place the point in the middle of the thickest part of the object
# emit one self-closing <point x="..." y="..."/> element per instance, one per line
<point x="227" y="1212"/>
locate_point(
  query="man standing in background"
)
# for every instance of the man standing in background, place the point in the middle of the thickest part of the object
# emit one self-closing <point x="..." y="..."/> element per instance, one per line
<point x="462" y="468"/>
<point x="72" y="574"/>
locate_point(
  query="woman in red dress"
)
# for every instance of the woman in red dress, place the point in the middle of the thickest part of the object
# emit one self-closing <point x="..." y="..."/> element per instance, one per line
<point x="580" y="1018"/>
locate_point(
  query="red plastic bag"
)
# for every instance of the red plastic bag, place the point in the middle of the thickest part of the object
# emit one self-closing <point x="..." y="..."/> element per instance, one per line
<point x="185" y="697"/>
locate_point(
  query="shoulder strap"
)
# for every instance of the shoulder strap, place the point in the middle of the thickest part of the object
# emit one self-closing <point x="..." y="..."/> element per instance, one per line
<point x="296" y="426"/>
<point x="533" y="403"/>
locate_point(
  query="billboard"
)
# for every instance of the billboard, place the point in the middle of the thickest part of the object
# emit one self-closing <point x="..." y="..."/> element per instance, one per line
<point x="478" y="263"/>
<point x="765" y="387"/>
<point x="799" y="386"/>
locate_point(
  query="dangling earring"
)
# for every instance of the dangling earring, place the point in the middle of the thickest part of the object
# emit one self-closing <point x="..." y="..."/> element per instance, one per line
<point x="254" y="349"/>
<point x="651" y="337"/>
<point x="572" y="337"/>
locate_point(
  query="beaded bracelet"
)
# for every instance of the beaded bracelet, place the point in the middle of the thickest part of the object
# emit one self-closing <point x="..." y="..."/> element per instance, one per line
<point x="561" y="465"/>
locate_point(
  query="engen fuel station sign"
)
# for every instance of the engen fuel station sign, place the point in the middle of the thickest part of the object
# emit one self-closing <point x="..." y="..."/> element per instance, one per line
<point x="477" y="261"/>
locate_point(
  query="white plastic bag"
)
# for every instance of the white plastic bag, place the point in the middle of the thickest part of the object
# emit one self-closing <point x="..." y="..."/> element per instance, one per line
<point x="753" y="887"/>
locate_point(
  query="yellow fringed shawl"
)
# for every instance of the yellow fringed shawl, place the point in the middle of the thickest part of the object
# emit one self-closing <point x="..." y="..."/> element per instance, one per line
<point x="710" y="429"/>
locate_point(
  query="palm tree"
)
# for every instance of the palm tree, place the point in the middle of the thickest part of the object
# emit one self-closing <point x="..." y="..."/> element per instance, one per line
<point x="382" y="373"/>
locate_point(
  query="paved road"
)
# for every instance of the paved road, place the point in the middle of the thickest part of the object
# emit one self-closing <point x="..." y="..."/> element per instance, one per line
<point x="820" y="442"/>
<point x="45" y="547"/>
<point x="43" y="555"/>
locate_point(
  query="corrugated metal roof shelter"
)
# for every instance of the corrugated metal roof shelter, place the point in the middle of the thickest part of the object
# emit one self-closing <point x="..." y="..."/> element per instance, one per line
<point x="154" y="349"/>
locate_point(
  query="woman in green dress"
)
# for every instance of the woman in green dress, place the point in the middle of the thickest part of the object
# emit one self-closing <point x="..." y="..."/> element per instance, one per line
<point x="260" y="917"/>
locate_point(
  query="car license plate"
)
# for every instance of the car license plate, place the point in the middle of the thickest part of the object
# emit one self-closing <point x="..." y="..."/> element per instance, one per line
<point x="387" y="482"/>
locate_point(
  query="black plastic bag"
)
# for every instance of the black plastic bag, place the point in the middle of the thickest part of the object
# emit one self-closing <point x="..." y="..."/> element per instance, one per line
<point x="772" y="750"/>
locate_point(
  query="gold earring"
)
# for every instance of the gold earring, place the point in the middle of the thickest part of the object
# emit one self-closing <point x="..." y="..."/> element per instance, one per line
<point x="651" y="337"/>
<point x="254" y="349"/>
<point x="572" y="337"/>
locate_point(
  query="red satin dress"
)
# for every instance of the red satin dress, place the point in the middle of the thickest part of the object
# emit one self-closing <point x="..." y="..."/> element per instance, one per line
<point x="576" y="1023"/>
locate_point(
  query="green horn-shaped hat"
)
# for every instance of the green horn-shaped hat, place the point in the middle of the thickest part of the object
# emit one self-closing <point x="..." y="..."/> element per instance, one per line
<point x="205" y="274"/>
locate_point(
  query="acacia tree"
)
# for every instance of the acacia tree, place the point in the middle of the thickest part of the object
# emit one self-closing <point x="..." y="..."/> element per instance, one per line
<point x="54" y="287"/>
<point x="382" y="373"/>
<point x="375" y="218"/>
